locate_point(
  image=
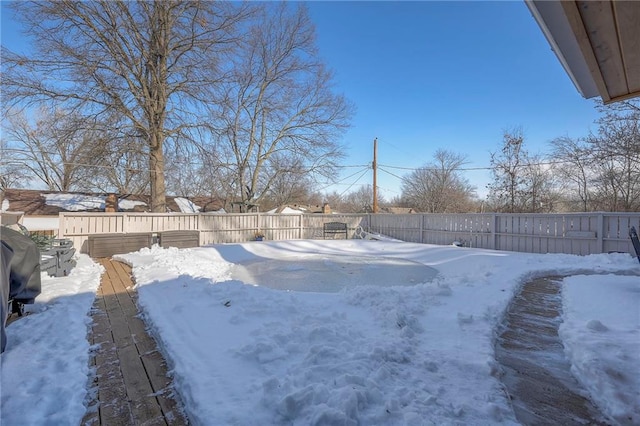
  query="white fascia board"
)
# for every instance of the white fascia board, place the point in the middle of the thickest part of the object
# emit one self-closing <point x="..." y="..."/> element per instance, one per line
<point x="553" y="22"/>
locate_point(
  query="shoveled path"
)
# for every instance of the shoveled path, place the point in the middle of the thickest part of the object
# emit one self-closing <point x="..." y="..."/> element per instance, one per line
<point x="132" y="386"/>
<point x="537" y="373"/>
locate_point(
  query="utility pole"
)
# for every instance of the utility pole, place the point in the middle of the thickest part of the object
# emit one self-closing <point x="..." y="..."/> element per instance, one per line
<point x="375" y="175"/>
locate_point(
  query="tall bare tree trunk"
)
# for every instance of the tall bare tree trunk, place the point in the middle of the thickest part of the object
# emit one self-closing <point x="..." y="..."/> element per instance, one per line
<point x="156" y="176"/>
<point x="156" y="106"/>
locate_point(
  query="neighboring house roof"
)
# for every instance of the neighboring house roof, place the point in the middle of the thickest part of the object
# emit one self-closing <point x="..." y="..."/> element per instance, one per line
<point x="300" y="209"/>
<point x="207" y="204"/>
<point x="44" y="203"/>
<point x="596" y="43"/>
<point x="397" y="210"/>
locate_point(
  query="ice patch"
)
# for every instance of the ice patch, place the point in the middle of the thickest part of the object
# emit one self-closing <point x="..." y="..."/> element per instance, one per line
<point x="331" y="274"/>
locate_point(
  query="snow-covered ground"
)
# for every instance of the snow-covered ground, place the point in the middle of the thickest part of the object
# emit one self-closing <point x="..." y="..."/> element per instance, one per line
<point x="46" y="363"/>
<point x="408" y="353"/>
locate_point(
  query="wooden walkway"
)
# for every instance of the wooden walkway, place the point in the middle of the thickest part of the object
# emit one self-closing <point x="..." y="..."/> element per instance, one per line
<point x="132" y="386"/>
<point x="538" y="376"/>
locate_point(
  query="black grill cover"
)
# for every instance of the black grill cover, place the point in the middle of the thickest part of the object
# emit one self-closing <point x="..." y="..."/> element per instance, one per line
<point x="5" y="271"/>
<point x="25" y="266"/>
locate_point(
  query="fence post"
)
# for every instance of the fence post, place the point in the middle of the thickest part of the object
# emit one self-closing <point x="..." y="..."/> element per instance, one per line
<point x="200" y="238"/>
<point x="422" y="228"/>
<point x="494" y="231"/>
<point x="125" y="223"/>
<point x="301" y="226"/>
<point x="60" y="225"/>
<point x="600" y="232"/>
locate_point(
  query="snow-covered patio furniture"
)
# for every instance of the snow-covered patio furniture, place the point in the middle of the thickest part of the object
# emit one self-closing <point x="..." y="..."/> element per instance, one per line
<point x="106" y="245"/>
<point x="179" y="239"/>
<point x="334" y="228"/>
<point x="56" y="259"/>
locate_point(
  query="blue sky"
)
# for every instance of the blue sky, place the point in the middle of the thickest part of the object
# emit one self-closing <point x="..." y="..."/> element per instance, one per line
<point x="429" y="75"/>
<point x="451" y="75"/>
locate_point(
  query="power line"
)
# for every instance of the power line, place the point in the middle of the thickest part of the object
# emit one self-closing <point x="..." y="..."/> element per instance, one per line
<point x="468" y="169"/>
<point x="394" y="175"/>
<point x="396" y="148"/>
<point x="356" y="181"/>
<point x="348" y="177"/>
<point x="462" y="169"/>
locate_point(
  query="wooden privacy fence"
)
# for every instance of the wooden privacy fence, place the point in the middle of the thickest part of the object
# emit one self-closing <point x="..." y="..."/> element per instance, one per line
<point x="572" y="233"/>
<point x="214" y="228"/>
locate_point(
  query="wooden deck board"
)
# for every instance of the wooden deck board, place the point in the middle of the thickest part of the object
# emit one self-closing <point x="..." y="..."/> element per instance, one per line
<point x="153" y="361"/>
<point x="145" y="407"/>
<point x="131" y="374"/>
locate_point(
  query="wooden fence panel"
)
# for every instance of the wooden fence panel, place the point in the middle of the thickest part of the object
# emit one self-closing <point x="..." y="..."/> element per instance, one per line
<point x="313" y="224"/>
<point x="481" y="229"/>
<point x="548" y="233"/>
<point x="221" y="228"/>
<point x="616" y="232"/>
<point x="536" y="230"/>
<point x="470" y="230"/>
<point x="405" y="227"/>
<point x="575" y="233"/>
<point x="281" y="227"/>
<point x="78" y="226"/>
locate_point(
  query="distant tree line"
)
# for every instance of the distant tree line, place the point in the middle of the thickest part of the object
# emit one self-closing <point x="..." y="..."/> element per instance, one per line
<point x="600" y="172"/>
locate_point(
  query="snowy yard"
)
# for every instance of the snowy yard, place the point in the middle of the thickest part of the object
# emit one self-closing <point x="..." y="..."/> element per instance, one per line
<point x="404" y="336"/>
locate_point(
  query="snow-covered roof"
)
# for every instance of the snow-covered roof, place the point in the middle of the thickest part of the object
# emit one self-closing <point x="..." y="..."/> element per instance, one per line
<point x="289" y="210"/>
<point x="35" y="202"/>
<point x="74" y="202"/>
<point x="297" y="209"/>
<point x="186" y="206"/>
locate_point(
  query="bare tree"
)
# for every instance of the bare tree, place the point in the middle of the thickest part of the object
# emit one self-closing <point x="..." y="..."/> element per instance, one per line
<point x="439" y="187"/>
<point x="359" y="201"/>
<point x="289" y="182"/>
<point x="539" y="193"/>
<point x="122" y="171"/>
<point x="55" y="149"/>
<point x="12" y="171"/>
<point x="616" y="149"/>
<point x="575" y="168"/>
<point x="278" y="105"/>
<point x="334" y="199"/>
<point x="151" y="62"/>
<point x="505" y="190"/>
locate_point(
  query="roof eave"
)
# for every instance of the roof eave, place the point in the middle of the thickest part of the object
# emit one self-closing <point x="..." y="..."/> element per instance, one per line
<point x="554" y="23"/>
